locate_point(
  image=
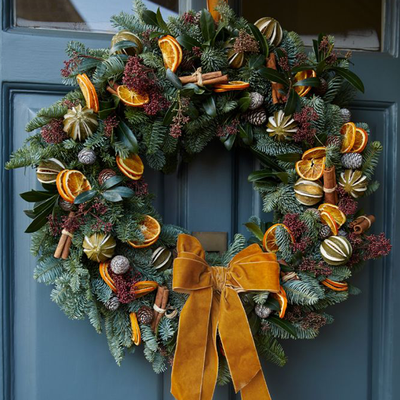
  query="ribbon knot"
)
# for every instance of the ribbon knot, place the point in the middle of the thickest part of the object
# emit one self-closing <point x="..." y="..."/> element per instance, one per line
<point x="207" y="313"/>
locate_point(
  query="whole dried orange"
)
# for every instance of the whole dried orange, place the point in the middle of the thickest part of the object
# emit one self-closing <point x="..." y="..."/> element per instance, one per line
<point x="360" y="141"/>
<point x="335" y="212"/>
<point x="131" y="98"/>
<point x="171" y="51"/>
<point x="328" y="219"/>
<point x="88" y="91"/>
<point x="132" y="167"/>
<point x="269" y="240"/>
<point x="303" y="90"/>
<point x="348" y="131"/>
<point x="282" y="299"/>
<point x="74" y="183"/>
<point x="150" y="229"/>
<point x="136" y="336"/>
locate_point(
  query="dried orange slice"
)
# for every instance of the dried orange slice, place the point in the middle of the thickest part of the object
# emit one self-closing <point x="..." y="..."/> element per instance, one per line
<point x="282" y="299"/>
<point x="303" y="90"/>
<point x="60" y="188"/>
<point x="348" y="131"/>
<point x="131" y="98"/>
<point x="233" y="85"/>
<point x="150" y="229"/>
<point x="103" y="268"/>
<point x="171" y="51"/>
<point x="74" y="183"/>
<point x="311" y="169"/>
<point x="328" y="219"/>
<point x="360" y="141"/>
<point x="136" y="336"/>
<point x="269" y="240"/>
<point x="88" y="91"/>
<point x="141" y="288"/>
<point x="315" y="152"/>
<point x="335" y="213"/>
<point x="132" y="167"/>
<point x="337" y="286"/>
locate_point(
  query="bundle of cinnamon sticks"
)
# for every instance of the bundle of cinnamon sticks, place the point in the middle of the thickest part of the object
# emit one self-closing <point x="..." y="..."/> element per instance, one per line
<point x="64" y="244"/>
<point x="209" y="78"/>
<point x="277" y="96"/>
<point x="362" y="224"/>
<point x="330" y="185"/>
<point x="160" y="306"/>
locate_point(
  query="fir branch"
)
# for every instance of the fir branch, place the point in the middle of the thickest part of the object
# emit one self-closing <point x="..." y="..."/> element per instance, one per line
<point x="271" y="349"/>
<point x="371" y="158"/>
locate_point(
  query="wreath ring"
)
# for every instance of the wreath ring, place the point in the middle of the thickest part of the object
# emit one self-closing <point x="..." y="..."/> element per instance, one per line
<point x="163" y="91"/>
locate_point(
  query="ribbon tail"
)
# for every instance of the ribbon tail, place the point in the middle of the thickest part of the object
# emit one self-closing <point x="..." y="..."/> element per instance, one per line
<point x="256" y="389"/>
<point x="191" y="348"/>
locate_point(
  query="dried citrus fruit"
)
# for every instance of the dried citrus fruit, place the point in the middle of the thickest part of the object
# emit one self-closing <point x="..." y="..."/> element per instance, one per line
<point x="74" y="183"/>
<point x="60" y="187"/>
<point x="269" y="240"/>
<point x="348" y="131"/>
<point x="233" y="85"/>
<point x="103" y="268"/>
<point x="328" y="219"/>
<point x="171" y="52"/>
<point x="282" y="299"/>
<point x="150" y="229"/>
<point x="132" y="167"/>
<point x="334" y="211"/>
<point x="337" y="286"/>
<point x="131" y="98"/>
<point x="141" y="288"/>
<point x="360" y="141"/>
<point x="303" y="90"/>
<point x="88" y="91"/>
<point x="315" y="152"/>
<point x="311" y="169"/>
<point x="136" y="336"/>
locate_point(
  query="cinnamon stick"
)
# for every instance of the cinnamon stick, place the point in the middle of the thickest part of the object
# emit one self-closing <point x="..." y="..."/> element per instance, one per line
<point x="67" y="246"/>
<point x="160" y="303"/>
<point x="330" y="185"/>
<point x="214" y="81"/>
<point x="193" y="78"/>
<point x="277" y="96"/>
<point x="60" y="246"/>
<point x="64" y="243"/>
<point x="362" y="224"/>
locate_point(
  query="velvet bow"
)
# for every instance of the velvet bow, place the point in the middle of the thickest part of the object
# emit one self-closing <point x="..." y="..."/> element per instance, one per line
<point x="214" y="306"/>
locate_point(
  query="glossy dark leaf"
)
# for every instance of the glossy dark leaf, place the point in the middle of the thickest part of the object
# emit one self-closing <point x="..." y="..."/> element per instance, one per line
<point x="112" y="195"/>
<point x="351" y="77"/>
<point x="300" y="68"/>
<point x="272" y="303"/>
<point x="209" y="106"/>
<point x="229" y="141"/>
<point x="292" y="103"/>
<point x="284" y="324"/>
<point x="207" y="25"/>
<point x="127" y="137"/>
<point x="150" y="18"/>
<point x="260" y="39"/>
<point x="188" y="42"/>
<point x="161" y="23"/>
<point x="316" y="51"/>
<point x="244" y="102"/>
<point x="254" y="323"/>
<point x="34" y="196"/>
<point x="103" y="114"/>
<point x="246" y="133"/>
<point x="30" y="214"/>
<point x="289" y="157"/>
<point x="169" y="114"/>
<point x="41" y="218"/>
<point x="85" y="196"/>
<point x="260" y="175"/>
<point x="109" y="183"/>
<point x="123" y="191"/>
<point x="255" y="230"/>
<point x="191" y="88"/>
<point x="173" y="78"/>
<point x="273" y="75"/>
<point x="266" y="160"/>
<point x="313" y="82"/>
<point x="44" y="204"/>
<point x="256" y="61"/>
<point x="123" y="44"/>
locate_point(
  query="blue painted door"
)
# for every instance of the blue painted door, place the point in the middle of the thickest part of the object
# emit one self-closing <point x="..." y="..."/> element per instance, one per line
<point x="45" y="356"/>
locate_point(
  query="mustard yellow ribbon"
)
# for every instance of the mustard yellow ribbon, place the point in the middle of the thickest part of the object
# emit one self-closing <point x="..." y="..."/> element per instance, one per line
<point x="214" y="306"/>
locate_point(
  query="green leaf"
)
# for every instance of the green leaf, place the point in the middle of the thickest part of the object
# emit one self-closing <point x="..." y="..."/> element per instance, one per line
<point x="292" y="103"/>
<point x="209" y="106"/>
<point x="169" y="114"/>
<point x="314" y="82"/>
<point x="123" y="44"/>
<point x="255" y="230"/>
<point x="112" y="196"/>
<point x="207" y="25"/>
<point x="351" y="77"/>
<point x="273" y="304"/>
<point x="30" y="214"/>
<point x="103" y="114"/>
<point x="161" y="23"/>
<point x="289" y="157"/>
<point x="34" y="196"/>
<point x="256" y="61"/>
<point x="260" y="39"/>
<point x="254" y="323"/>
<point x="273" y="75"/>
<point x="246" y="133"/>
<point x="300" y="68"/>
<point x="244" y="102"/>
<point x="285" y="325"/>
<point x="229" y="141"/>
<point x="42" y="205"/>
<point x="41" y="218"/>
<point x="316" y="51"/>
<point x="127" y="137"/>
<point x="113" y="181"/>
<point x="191" y="88"/>
<point x="260" y="175"/>
<point x="150" y="18"/>
<point x="173" y="78"/>
<point x="85" y="196"/>
<point x="266" y="160"/>
<point x="188" y="42"/>
<point x="123" y="191"/>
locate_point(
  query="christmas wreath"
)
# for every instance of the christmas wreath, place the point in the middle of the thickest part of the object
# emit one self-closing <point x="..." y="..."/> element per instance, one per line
<point x="162" y="92"/>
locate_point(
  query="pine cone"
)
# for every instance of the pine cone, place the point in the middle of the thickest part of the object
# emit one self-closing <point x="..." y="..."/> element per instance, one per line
<point x="105" y="174"/>
<point x="87" y="156"/>
<point x="113" y="303"/>
<point x="352" y="160"/>
<point x="145" y="315"/>
<point x="256" y="100"/>
<point x="257" y="117"/>
<point x="346" y="115"/>
<point x="325" y="232"/>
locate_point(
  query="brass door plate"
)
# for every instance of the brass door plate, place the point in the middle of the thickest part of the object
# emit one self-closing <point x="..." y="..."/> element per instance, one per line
<point x="213" y="242"/>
